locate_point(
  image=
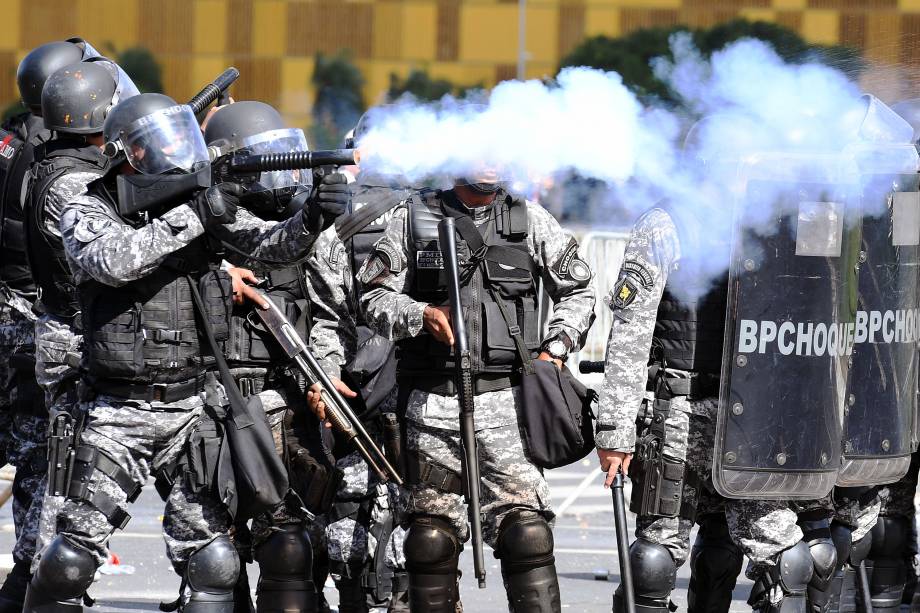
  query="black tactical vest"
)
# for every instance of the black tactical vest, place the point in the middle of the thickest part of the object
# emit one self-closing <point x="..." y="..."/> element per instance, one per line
<point x="492" y="347"/>
<point x="58" y="294"/>
<point x="146" y="331"/>
<point x="250" y="343"/>
<point x="19" y="137"/>
<point x="690" y="325"/>
<point x="378" y="197"/>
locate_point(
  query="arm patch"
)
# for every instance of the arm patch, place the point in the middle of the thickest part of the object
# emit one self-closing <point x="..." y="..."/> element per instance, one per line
<point x="570" y="265"/>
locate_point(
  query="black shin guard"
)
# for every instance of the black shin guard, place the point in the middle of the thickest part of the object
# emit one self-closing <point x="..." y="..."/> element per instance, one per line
<point x="889" y="570"/>
<point x="211" y="574"/>
<point x="64" y="573"/>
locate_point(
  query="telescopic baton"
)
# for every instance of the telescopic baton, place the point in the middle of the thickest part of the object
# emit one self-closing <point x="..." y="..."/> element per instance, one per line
<point x="619" y="519"/>
<point x="213" y="90"/>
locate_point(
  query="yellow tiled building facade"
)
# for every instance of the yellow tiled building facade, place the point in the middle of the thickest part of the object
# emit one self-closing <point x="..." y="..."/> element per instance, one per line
<point x="273" y="42"/>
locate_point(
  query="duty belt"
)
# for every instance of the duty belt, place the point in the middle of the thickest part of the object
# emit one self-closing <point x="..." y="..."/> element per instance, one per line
<point x="445" y="386"/>
<point x="156" y="392"/>
<point x="694" y="387"/>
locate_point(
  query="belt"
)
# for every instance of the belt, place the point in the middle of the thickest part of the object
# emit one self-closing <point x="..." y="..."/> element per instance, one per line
<point x="156" y="392"/>
<point x="694" y="387"/>
<point x="445" y="386"/>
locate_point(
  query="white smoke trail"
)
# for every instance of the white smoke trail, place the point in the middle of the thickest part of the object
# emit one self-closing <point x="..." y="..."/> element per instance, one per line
<point x="787" y="125"/>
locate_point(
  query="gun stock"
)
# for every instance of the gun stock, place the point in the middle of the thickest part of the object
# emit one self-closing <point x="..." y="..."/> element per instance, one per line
<point x="338" y="412"/>
<point x="464" y="380"/>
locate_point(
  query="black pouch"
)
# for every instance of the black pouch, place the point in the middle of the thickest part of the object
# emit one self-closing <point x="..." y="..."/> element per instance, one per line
<point x="30" y="399"/>
<point x="556" y="419"/>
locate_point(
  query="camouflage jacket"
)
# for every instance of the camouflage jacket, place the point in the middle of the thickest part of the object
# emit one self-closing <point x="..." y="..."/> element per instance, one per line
<point x="652" y="252"/>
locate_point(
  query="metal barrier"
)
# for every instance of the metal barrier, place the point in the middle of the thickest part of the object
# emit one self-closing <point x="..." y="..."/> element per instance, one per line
<point x="603" y="251"/>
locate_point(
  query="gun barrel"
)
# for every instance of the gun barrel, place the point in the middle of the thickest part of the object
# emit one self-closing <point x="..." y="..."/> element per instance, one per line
<point x="590" y="367"/>
<point x="337" y="407"/>
<point x="619" y="518"/>
<point x="213" y="90"/>
<point x="293" y="160"/>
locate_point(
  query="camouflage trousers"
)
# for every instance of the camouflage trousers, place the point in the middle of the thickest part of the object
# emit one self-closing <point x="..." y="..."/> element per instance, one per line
<point x="143" y="438"/>
<point x="56" y="347"/>
<point x="363" y="506"/>
<point x="858" y="508"/>
<point x="276" y="402"/>
<point x="762" y="528"/>
<point x="509" y="481"/>
<point x="23" y="429"/>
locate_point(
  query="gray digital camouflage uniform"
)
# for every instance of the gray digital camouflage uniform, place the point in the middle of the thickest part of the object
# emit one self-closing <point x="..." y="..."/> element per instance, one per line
<point x="57" y="344"/>
<point x="23" y="421"/>
<point x="142" y="436"/>
<point x="763" y="529"/>
<point x="509" y="481"/>
<point x="349" y="539"/>
<point x="332" y="340"/>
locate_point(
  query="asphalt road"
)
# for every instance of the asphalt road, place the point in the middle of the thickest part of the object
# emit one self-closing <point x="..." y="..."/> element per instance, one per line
<point x="586" y="555"/>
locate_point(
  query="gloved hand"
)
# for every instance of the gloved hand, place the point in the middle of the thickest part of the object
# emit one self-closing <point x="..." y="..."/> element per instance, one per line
<point x="218" y="204"/>
<point x="330" y="198"/>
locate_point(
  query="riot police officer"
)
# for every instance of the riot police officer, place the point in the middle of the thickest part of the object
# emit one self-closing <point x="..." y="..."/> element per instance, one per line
<point x="313" y="295"/>
<point x="404" y="300"/>
<point x="363" y="534"/>
<point x="140" y="245"/>
<point x="23" y="417"/>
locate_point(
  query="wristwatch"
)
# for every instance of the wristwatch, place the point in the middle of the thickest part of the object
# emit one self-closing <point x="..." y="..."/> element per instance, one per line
<point x="557" y="349"/>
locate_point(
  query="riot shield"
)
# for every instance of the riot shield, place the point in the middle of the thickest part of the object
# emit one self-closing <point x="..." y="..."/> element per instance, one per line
<point x="881" y="391"/>
<point x="789" y="324"/>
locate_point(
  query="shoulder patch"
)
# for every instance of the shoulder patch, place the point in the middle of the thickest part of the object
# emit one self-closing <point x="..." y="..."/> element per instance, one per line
<point x="392" y="254"/>
<point x="570" y="265"/>
<point x="638" y="272"/>
<point x="373" y="268"/>
<point x="91" y="227"/>
<point x="624" y="293"/>
<point x="336" y="253"/>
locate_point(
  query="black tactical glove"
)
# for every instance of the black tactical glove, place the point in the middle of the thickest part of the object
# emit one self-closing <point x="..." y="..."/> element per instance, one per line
<point x="330" y="198"/>
<point x="218" y="204"/>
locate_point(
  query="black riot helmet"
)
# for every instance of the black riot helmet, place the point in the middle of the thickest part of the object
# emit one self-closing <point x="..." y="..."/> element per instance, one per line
<point x="41" y="62"/>
<point x="155" y="134"/>
<point x="257" y="128"/>
<point x="77" y="97"/>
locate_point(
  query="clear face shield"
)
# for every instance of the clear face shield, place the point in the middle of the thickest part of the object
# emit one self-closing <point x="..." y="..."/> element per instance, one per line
<point x="164" y="141"/>
<point x="277" y="141"/>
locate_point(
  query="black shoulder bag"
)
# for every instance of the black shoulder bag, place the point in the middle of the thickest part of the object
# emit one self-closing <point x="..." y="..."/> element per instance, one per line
<point x="260" y="479"/>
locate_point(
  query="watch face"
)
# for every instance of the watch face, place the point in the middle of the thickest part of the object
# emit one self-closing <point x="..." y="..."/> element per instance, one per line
<point x="557" y="349"/>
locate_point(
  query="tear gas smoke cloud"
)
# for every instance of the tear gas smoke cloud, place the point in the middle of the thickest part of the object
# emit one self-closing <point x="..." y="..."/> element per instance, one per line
<point x="795" y="124"/>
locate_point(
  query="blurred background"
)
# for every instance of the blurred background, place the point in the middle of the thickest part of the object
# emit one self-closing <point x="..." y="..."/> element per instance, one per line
<point x="322" y="62"/>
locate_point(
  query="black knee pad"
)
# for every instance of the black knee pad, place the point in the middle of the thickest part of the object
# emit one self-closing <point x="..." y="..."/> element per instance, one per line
<point x="64" y="572"/>
<point x="818" y="537"/>
<point x="211" y="574"/>
<point x="890" y="537"/>
<point x="793" y="572"/>
<point x="525" y="542"/>
<point x="525" y="548"/>
<point x="842" y="536"/>
<point x="287" y="553"/>
<point x="715" y="563"/>
<point x="286" y="572"/>
<point x="431" y="547"/>
<point x="432" y="553"/>
<point x="654" y="570"/>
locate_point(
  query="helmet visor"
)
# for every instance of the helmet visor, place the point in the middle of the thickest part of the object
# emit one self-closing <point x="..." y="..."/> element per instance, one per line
<point x="165" y="140"/>
<point x="124" y="86"/>
<point x="279" y="141"/>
